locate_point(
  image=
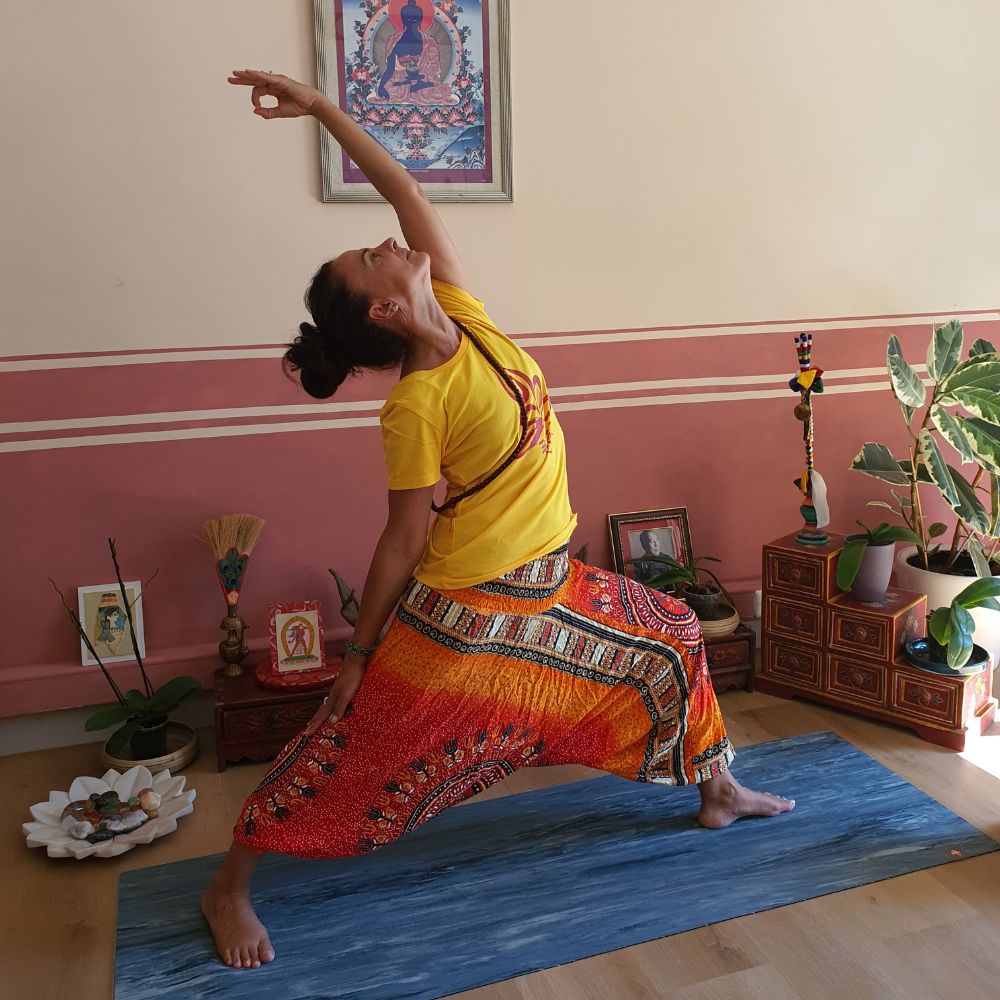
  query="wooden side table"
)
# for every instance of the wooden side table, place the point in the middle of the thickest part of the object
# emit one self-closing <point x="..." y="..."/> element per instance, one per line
<point x="254" y="722"/>
<point x="731" y="659"/>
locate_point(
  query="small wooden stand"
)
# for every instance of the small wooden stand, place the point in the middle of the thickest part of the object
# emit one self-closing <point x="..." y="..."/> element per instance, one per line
<point x="253" y="722"/>
<point x="820" y="644"/>
<point x="731" y="660"/>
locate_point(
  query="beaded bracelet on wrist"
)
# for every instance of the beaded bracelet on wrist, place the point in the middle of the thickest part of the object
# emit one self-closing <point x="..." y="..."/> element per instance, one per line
<point x="353" y="647"/>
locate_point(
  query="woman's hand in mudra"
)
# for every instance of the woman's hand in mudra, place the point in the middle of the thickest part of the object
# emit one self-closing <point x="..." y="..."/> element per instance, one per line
<point x="345" y="687"/>
<point x="294" y="99"/>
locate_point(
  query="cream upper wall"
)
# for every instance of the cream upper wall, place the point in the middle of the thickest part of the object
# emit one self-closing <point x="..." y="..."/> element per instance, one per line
<point x="674" y="163"/>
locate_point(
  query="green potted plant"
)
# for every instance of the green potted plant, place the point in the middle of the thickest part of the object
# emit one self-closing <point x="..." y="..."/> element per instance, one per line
<point x="865" y="564"/>
<point x="948" y="647"/>
<point x="142" y="719"/>
<point x="962" y="409"/>
<point x="701" y="595"/>
<point x="141" y="716"/>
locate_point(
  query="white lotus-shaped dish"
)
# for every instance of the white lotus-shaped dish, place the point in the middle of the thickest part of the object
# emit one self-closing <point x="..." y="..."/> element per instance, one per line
<point x="45" y="831"/>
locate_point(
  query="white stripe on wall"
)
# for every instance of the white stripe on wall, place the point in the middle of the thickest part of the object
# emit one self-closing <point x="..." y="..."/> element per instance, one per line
<point x="246" y="430"/>
<point x="786" y="329"/>
<point x="526" y="340"/>
<point x="187" y="434"/>
<point x="709" y="397"/>
<point x="152" y="358"/>
<point x="182" y="416"/>
<point x="317" y="409"/>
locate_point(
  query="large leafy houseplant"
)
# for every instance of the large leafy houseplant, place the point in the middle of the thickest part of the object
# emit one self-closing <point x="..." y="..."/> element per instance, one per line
<point x="964" y="409"/>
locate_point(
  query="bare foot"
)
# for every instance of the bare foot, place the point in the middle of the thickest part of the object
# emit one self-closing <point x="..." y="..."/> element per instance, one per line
<point x="724" y="800"/>
<point x="240" y="937"/>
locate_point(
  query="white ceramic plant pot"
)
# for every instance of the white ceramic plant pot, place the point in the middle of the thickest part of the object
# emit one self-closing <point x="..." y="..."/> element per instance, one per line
<point x="941" y="590"/>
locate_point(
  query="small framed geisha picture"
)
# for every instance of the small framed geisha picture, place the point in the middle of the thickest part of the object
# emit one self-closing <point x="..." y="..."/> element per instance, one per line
<point x="430" y="81"/>
<point x="295" y="635"/>
<point x="644" y="533"/>
<point x="102" y="614"/>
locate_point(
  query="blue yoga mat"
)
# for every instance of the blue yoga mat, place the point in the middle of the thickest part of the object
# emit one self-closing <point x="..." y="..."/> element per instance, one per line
<point x="525" y="882"/>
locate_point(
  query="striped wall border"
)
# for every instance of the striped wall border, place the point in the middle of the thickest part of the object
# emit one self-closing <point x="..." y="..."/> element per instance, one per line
<point x="136" y="428"/>
<point x="610" y="398"/>
<point x="99" y="359"/>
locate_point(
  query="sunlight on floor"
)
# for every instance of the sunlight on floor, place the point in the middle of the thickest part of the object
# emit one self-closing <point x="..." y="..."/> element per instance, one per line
<point x="984" y="751"/>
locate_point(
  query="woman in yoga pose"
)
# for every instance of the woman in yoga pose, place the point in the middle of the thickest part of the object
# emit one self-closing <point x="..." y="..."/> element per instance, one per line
<point x="502" y="652"/>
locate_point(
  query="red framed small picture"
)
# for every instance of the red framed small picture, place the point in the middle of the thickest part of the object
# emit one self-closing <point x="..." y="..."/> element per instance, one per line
<point x="298" y="658"/>
<point x="644" y="533"/>
<point x="295" y="635"/>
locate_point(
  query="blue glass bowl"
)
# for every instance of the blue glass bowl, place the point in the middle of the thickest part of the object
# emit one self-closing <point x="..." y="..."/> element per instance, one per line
<point x="928" y="655"/>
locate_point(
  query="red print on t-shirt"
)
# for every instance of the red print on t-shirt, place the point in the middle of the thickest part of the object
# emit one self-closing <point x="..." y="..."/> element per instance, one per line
<point x="536" y="403"/>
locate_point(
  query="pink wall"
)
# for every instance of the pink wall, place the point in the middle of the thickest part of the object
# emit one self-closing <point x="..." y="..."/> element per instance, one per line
<point x="729" y="461"/>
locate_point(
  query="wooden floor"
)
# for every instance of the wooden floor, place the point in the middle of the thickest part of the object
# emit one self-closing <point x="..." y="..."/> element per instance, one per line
<point x="933" y="934"/>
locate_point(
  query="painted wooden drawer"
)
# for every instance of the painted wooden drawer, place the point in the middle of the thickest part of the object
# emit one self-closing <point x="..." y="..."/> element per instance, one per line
<point x="783" y="617"/>
<point x="792" y="664"/>
<point x="729" y="653"/>
<point x="863" y="683"/>
<point x="875" y="631"/>
<point x="276" y="720"/>
<point x="924" y="696"/>
<point x="803" y="571"/>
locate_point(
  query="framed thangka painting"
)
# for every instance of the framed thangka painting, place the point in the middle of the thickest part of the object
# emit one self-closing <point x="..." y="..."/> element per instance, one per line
<point x="430" y="80"/>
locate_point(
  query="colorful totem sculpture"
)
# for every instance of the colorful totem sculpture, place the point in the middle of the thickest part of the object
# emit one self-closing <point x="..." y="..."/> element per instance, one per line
<point x="814" y="508"/>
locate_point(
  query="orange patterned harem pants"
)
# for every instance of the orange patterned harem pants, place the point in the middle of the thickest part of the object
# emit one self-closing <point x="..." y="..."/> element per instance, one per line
<point x="553" y="663"/>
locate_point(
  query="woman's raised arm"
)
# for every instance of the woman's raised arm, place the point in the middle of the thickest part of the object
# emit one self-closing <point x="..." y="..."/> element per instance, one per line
<point x="418" y="219"/>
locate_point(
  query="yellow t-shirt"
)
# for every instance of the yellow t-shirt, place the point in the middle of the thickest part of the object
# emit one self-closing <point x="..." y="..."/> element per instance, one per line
<point x="460" y="421"/>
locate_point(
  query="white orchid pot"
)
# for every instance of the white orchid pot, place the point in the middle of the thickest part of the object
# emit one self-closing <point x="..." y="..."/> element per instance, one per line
<point x="941" y="589"/>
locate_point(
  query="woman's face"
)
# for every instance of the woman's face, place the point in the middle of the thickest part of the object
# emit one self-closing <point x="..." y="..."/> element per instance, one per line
<point x="388" y="272"/>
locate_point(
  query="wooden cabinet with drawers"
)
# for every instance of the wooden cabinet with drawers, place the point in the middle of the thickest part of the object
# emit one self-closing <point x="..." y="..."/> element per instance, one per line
<point x="821" y="644"/>
<point x="254" y="722"/>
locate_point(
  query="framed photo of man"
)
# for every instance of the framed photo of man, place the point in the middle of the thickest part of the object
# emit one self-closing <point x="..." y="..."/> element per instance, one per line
<point x="639" y="535"/>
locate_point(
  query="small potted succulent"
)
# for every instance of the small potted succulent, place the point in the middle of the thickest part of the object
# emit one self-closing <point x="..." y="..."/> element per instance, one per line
<point x="701" y="595"/>
<point x="948" y="648"/>
<point x="865" y="564"/>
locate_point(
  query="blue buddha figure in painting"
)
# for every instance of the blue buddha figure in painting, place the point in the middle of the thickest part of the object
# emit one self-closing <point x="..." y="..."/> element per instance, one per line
<point x="413" y="73"/>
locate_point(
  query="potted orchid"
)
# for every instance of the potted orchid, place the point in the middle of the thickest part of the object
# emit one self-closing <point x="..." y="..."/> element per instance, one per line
<point x="141" y="716"/>
<point x="948" y="648"/>
<point x="865" y="563"/>
<point x="699" y="588"/>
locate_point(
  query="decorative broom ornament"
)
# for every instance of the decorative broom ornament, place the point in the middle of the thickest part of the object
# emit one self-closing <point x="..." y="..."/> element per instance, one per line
<point x="814" y="508"/>
<point x="232" y="538"/>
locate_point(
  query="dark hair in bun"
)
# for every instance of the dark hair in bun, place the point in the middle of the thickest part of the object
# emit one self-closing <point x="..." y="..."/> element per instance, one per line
<point x="341" y="340"/>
